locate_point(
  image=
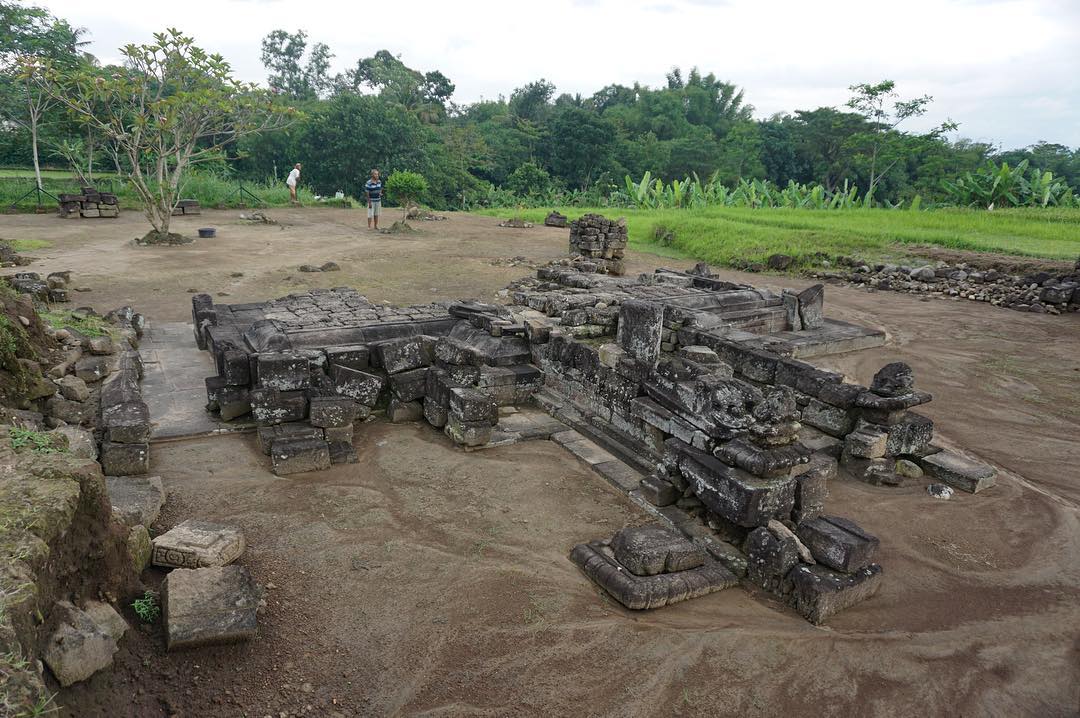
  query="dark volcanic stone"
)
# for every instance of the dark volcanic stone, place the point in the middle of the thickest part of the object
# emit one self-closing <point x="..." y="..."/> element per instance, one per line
<point x="331" y="411"/>
<point x="838" y="543"/>
<point x="819" y="592"/>
<point x="205" y="606"/>
<point x="895" y="379"/>
<point x="359" y="385"/>
<point x="641" y="592"/>
<point x="770" y="558"/>
<point x="649" y="550"/>
<point x="294" y="456"/>
<point x="641" y="326"/>
<point x="811" y="306"/>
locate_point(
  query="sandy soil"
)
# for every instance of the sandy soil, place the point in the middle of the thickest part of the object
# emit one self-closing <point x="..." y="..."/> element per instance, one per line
<point x="427" y="581"/>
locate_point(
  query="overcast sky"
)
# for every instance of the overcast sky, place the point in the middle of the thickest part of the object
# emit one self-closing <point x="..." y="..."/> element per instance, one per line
<point x="1007" y="70"/>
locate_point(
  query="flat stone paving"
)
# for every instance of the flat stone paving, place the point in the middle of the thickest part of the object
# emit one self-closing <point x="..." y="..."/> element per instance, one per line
<point x="173" y="385"/>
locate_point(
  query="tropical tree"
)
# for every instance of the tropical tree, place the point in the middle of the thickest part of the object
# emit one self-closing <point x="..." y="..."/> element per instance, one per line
<point x="30" y="38"/>
<point x="424" y="94"/>
<point x="872" y="102"/>
<point x="283" y="57"/>
<point x="406" y="188"/>
<point x="173" y="107"/>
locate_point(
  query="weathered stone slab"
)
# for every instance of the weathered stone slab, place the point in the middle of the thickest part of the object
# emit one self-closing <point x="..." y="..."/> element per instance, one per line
<point x="468" y="433"/>
<point x="435" y="413"/>
<point x="769" y="559"/>
<point x="198" y="544"/>
<point x="959" y="471"/>
<point x="270" y="406"/>
<point x="284" y="371"/>
<point x="658" y="491"/>
<point x="136" y="499"/>
<point x="642" y="592"/>
<point x="640" y="330"/>
<point x="866" y="442"/>
<point x="400" y="412"/>
<point x="398" y="355"/>
<point x="830" y="419"/>
<point x="206" y="606"/>
<point x="296" y="456"/>
<point x="331" y="411"/>
<point x="356" y="384"/>
<point x="267" y="435"/>
<point x="126" y="423"/>
<point x="125" y="459"/>
<point x="910" y="436"/>
<point x="68" y="411"/>
<point x="409" y="385"/>
<point x="472" y="405"/>
<point x="734" y="494"/>
<point x="838" y="543"/>
<point x="819" y="592"/>
<point x="653" y="549"/>
<point x="353" y="357"/>
<point x="812" y="488"/>
<point x="811" y="306"/>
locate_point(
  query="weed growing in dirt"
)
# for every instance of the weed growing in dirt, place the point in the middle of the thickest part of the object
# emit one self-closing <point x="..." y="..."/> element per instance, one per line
<point x="39" y="442"/>
<point x="28" y="245"/>
<point x="86" y="325"/>
<point x="147" y="608"/>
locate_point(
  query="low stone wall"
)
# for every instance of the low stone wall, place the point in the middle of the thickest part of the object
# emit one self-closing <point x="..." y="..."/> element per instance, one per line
<point x="601" y="241"/>
<point x="1040" y="292"/>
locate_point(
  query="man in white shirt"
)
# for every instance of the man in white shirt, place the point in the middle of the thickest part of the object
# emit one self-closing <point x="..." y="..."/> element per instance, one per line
<point x="291" y="181"/>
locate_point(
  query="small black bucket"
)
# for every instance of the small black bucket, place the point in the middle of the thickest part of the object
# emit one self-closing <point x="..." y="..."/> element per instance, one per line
<point x="207" y="232"/>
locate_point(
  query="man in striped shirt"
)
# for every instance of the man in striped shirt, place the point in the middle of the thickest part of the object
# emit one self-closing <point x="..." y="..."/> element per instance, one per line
<point x="373" y="191"/>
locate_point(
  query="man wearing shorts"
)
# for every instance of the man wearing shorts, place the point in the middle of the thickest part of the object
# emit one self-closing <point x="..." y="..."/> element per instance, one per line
<point x="373" y="190"/>
<point x="291" y="181"/>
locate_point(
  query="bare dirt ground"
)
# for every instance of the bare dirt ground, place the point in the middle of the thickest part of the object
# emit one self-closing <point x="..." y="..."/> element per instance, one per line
<point x="427" y="581"/>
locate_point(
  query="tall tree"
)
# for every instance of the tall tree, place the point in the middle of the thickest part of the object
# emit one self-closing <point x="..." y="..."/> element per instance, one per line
<point x="289" y="74"/>
<point x="31" y="38"/>
<point x="873" y="103"/>
<point x="424" y="94"/>
<point x="174" y="106"/>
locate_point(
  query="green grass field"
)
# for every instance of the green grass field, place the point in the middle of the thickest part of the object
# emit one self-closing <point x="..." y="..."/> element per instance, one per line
<point x="740" y="236"/>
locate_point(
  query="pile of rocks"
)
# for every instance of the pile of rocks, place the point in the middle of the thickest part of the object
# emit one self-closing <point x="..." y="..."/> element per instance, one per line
<point x="51" y="290"/>
<point x="601" y="241"/>
<point x="1042" y="292"/>
<point x="90" y="203"/>
<point x="186" y="207"/>
<point x="10" y="258"/>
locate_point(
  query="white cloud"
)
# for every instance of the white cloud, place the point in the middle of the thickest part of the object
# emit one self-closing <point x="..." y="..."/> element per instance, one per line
<point x="1006" y="69"/>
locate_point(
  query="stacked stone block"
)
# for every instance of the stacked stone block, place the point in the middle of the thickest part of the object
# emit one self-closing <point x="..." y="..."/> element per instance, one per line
<point x="89" y="203"/>
<point x="125" y="420"/>
<point x="601" y="242"/>
<point x="187" y="207"/>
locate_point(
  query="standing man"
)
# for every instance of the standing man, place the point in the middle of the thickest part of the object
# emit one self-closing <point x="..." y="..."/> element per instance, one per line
<point x="291" y="181"/>
<point x="373" y="190"/>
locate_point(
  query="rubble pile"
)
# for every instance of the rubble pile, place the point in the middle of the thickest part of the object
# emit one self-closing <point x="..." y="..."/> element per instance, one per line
<point x="90" y="203"/>
<point x="601" y="242"/>
<point x="698" y="382"/>
<point x="308" y="366"/>
<point x="51" y="290"/>
<point x="555" y="219"/>
<point x="1042" y="292"/>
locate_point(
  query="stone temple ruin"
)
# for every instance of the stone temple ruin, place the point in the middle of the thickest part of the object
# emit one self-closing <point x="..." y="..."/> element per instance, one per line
<point x="690" y="394"/>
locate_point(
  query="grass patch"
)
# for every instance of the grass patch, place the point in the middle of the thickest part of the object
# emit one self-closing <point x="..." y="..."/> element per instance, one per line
<point x="147" y="608"/>
<point x="86" y="325"/>
<point x="39" y="442"/>
<point x="735" y="236"/>
<point x="27" y="245"/>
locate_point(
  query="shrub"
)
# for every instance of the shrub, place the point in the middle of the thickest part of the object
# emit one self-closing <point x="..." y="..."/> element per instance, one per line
<point x="406" y="187"/>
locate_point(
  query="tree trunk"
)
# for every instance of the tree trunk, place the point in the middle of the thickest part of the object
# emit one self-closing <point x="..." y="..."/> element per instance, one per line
<point x="34" y="146"/>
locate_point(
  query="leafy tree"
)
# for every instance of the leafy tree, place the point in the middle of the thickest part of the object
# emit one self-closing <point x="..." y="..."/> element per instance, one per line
<point x="283" y="58"/>
<point x="424" y="94"/>
<point x="532" y="101"/>
<point x="30" y="39"/>
<point x="871" y="101"/>
<point x="174" y="107"/>
<point x="529" y="179"/>
<point x="348" y="135"/>
<point x="406" y="188"/>
<point x="579" y="145"/>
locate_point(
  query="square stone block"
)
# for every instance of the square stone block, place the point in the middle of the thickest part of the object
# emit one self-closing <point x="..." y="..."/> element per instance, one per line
<point x="198" y="544"/>
<point x="959" y="471"/>
<point x="124" y="459"/>
<point x="297" y="456"/>
<point x="649" y="550"/>
<point x="360" y="385"/>
<point x="205" y="606"/>
<point x="838" y="543"/>
<point x="818" y="592"/>
<point x="331" y="411"/>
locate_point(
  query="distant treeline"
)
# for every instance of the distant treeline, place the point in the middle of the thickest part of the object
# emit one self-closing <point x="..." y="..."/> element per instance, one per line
<point x="536" y="146"/>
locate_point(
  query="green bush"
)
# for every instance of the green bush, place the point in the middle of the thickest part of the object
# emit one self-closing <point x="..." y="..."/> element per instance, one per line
<point x="406" y="188"/>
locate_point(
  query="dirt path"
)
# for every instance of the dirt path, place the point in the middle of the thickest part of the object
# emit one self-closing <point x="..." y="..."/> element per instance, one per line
<point x="427" y="581"/>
